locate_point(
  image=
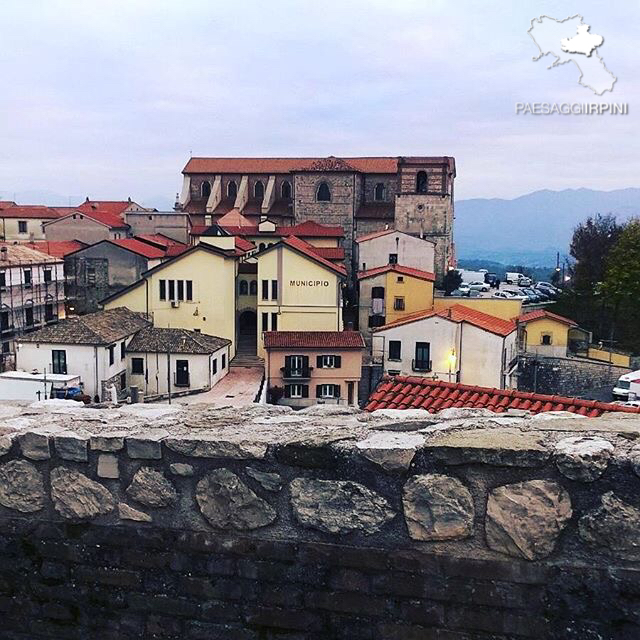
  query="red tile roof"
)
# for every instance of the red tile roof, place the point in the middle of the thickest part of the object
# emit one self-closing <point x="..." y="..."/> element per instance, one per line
<point x="397" y="268"/>
<point x="330" y="253"/>
<point x="141" y="248"/>
<point x="307" y="249"/>
<point x="57" y="249"/>
<point x="543" y="313"/>
<point x="313" y="340"/>
<point x="175" y="250"/>
<point x="4" y="204"/>
<point x="158" y="239"/>
<point x="110" y="207"/>
<point x="284" y="165"/>
<point x="312" y="229"/>
<point x="244" y="245"/>
<point x="328" y="164"/>
<point x="375" y="234"/>
<point x="411" y="392"/>
<point x="30" y="211"/>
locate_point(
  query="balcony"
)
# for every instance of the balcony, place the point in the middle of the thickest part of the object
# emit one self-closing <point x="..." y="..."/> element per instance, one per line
<point x="300" y="373"/>
<point x="421" y="365"/>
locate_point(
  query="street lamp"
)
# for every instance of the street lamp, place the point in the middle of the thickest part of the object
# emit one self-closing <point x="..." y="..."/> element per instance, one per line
<point x="452" y="362"/>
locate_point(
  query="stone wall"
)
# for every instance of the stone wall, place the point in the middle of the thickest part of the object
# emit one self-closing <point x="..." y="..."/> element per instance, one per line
<point x="565" y="376"/>
<point x="162" y="522"/>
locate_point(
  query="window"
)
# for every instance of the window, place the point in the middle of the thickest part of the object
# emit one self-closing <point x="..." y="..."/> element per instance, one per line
<point x="262" y="246"/>
<point x="163" y="289"/>
<point x="286" y="190"/>
<point x="47" y="275"/>
<point x="274" y="289"/>
<point x="253" y="287"/>
<point x="223" y="363"/>
<point x="296" y="367"/>
<point x="329" y="362"/>
<point x="3" y="279"/>
<point x="265" y="322"/>
<point x="6" y="347"/>
<point x="274" y="322"/>
<point x="214" y="366"/>
<point x="328" y="391"/>
<point x="205" y="189"/>
<point x="324" y="193"/>
<point x="400" y="279"/>
<point x="4" y="321"/>
<point x="377" y="292"/>
<point x="376" y="321"/>
<point x="91" y="276"/>
<point x="546" y="338"/>
<point x="181" y="378"/>
<point x="395" y="350"/>
<point x="422" y="360"/>
<point x="123" y="381"/>
<point x="112" y="350"/>
<point x="48" y="312"/>
<point x="232" y="190"/>
<point x="27" y="277"/>
<point x="421" y="182"/>
<point x="258" y="190"/>
<point x="244" y="287"/>
<point x="137" y="366"/>
<point x="393" y="258"/>
<point x="28" y="316"/>
<point x="189" y="290"/>
<point x="265" y="289"/>
<point x="172" y="289"/>
<point x="296" y="391"/>
<point x="398" y="303"/>
<point x="59" y="361"/>
<point x="379" y="191"/>
<point x="122" y="350"/>
<point x="22" y="226"/>
<point x="180" y="289"/>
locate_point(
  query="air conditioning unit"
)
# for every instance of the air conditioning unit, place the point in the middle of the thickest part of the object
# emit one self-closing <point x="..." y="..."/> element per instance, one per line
<point x="175" y="304"/>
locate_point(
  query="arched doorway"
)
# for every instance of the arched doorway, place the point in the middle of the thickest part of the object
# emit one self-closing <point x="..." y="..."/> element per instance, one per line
<point x="247" y="333"/>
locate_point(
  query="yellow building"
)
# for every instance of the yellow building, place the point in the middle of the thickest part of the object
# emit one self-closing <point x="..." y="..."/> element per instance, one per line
<point x="544" y="332"/>
<point x="297" y="290"/>
<point x="195" y="290"/>
<point x="392" y="292"/>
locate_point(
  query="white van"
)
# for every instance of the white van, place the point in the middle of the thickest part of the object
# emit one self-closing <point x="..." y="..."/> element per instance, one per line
<point x="624" y="384"/>
<point x="520" y="279"/>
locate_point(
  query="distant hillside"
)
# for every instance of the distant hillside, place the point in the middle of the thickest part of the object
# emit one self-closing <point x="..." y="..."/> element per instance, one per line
<point x="531" y="228"/>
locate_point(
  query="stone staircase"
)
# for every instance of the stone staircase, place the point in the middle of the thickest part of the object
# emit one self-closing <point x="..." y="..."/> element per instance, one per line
<point x="246" y="356"/>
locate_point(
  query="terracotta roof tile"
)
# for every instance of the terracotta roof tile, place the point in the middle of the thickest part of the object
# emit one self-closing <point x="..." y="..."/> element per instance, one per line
<point x="141" y="248"/>
<point x="402" y="392"/>
<point x="31" y="211"/>
<point x="543" y="313"/>
<point x="166" y="340"/>
<point x="397" y="268"/>
<point x="460" y="313"/>
<point x="57" y="249"/>
<point x="307" y="249"/>
<point x="313" y="340"/>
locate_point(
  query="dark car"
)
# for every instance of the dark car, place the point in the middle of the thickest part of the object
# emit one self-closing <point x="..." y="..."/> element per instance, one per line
<point x="491" y="278"/>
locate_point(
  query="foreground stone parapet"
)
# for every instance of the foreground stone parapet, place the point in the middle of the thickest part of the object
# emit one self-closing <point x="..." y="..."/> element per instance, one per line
<point x="268" y="481"/>
<point x="152" y="489"/>
<point x="228" y="503"/>
<point x="21" y="487"/>
<point x="437" y="507"/>
<point x="338" y="506"/>
<point x="614" y="525"/>
<point x="76" y="496"/>
<point x="392" y="451"/>
<point x="525" y="519"/>
<point x="583" y="458"/>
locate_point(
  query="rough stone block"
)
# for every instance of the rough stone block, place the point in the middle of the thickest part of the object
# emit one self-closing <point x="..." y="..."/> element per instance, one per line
<point x="240" y="448"/>
<point x="21" y="487"/>
<point x="392" y="451"/>
<point x="111" y="441"/>
<point x="108" y="466"/>
<point x="35" y="445"/>
<point x="583" y="458"/>
<point x="72" y="445"/>
<point x="125" y="512"/>
<point x="269" y="481"/>
<point x="77" y="497"/>
<point x="151" y="488"/>
<point x="181" y="469"/>
<point x="147" y="445"/>
<point x="6" y="441"/>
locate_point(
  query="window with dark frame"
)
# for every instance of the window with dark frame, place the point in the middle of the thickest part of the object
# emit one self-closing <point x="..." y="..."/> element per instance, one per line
<point x="274" y="289"/>
<point x="398" y="303"/>
<point x="22" y="226"/>
<point x="393" y="258"/>
<point x="48" y="312"/>
<point x="421" y="182"/>
<point x="265" y="322"/>
<point x="214" y="366"/>
<point x="112" y="353"/>
<point x="180" y="289"/>
<point x="223" y="362"/>
<point x="243" y="288"/>
<point x="59" y="361"/>
<point x="137" y="366"/>
<point x="265" y="289"/>
<point x="395" y="349"/>
<point x="172" y="289"/>
<point x="546" y="339"/>
<point x="274" y="322"/>
<point x="379" y="192"/>
<point x="253" y="288"/>
<point x="324" y="193"/>
<point x="123" y="350"/>
<point x="28" y="316"/>
<point x="422" y="360"/>
<point x="3" y="279"/>
<point x="189" y="290"/>
<point x="163" y="289"/>
<point x="47" y="275"/>
<point x="27" y="277"/>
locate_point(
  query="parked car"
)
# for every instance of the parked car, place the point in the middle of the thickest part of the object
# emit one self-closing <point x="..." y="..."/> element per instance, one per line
<point x="532" y="294"/>
<point x="623" y="386"/>
<point x="548" y="285"/>
<point x="491" y="278"/>
<point x="508" y="295"/>
<point x="548" y="290"/>
<point x="516" y="295"/>
<point x="513" y="277"/>
<point x="479" y="286"/>
<point x="464" y="287"/>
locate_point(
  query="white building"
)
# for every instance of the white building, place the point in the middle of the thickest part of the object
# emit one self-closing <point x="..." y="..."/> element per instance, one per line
<point x="380" y="248"/>
<point x="31" y="295"/>
<point x="93" y="346"/>
<point x="179" y="360"/>
<point x="458" y="344"/>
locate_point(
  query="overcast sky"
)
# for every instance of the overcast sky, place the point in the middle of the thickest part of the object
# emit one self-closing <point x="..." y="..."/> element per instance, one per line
<point x="109" y="98"/>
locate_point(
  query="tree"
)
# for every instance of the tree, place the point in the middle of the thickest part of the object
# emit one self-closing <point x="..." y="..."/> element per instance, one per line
<point x="452" y="280"/>
<point x="591" y="243"/>
<point x="622" y="275"/>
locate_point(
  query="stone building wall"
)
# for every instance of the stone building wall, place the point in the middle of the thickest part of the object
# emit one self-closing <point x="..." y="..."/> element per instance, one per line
<point x="162" y="522"/>
<point x="565" y="376"/>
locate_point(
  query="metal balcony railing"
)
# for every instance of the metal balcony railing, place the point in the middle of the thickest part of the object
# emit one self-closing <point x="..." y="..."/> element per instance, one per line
<point x="297" y="373"/>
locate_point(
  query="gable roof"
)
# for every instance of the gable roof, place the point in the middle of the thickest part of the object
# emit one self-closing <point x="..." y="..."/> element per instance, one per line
<point x="233" y="218"/>
<point x="458" y="313"/>
<point x="22" y="254"/>
<point x="30" y="211"/>
<point x="106" y="219"/>
<point x="202" y="246"/>
<point x="305" y="249"/>
<point x="99" y="328"/>
<point x="311" y="229"/>
<point x="58" y="249"/>
<point x="159" y="339"/>
<point x="138" y="246"/>
<point x="308" y="229"/>
<point x="108" y="207"/>
<point x="412" y="392"/>
<point x="158" y="239"/>
<point x="385" y="232"/>
<point x="397" y="268"/>
<point x="543" y="313"/>
<point x="313" y="340"/>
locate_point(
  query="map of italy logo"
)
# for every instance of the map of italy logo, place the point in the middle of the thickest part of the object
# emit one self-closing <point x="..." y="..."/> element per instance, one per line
<point x="570" y="40"/>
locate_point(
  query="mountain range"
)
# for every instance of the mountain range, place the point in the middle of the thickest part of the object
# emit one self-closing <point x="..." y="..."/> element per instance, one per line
<point x="527" y="230"/>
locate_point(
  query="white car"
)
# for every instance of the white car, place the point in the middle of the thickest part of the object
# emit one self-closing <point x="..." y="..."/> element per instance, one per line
<point x="464" y="287"/>
<point x="479" y="286"/>
<point x="505" y="294"/>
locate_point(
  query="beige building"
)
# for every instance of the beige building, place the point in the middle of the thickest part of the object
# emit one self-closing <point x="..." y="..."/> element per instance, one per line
<point x="87" y="227"/>
<point x="297" y="290"/>
<point x="389" y="246"/>
<point x="309" y="367"/>
<point x="24" y="223"/>
<point x="195" y="290"/>
<point x="456" y="345"/>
